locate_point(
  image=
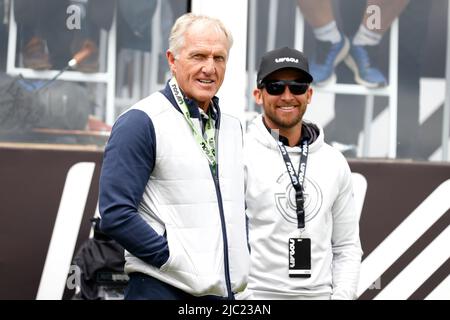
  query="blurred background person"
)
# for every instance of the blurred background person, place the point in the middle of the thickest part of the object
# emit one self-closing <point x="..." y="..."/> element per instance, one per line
<point x="47" y="42"/>
<point x="333" y="46"/>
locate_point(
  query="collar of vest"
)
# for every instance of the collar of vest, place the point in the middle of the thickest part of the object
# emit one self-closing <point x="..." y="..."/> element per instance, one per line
<point x="191" y="104"/>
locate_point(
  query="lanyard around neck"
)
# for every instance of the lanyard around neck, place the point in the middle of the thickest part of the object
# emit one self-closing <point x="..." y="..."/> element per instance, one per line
<point x="208" y="147"/>
<point x="297" y="180"/>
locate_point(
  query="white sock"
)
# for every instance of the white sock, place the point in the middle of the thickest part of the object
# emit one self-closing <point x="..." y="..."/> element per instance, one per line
<point x="366" y="37"/>
<point x="328" y="32"/>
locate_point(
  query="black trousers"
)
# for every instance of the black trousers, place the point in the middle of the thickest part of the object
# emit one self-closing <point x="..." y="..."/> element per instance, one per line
<point x="144" y="287"/>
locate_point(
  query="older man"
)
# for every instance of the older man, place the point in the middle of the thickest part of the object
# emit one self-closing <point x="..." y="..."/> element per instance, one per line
<point x="172" y="182"/>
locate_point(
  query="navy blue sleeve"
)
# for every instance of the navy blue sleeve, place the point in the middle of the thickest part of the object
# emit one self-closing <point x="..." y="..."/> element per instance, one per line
<point x="128" y="160"/>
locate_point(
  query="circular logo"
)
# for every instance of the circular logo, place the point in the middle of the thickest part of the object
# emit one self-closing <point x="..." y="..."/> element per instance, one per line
<point x="285" y="202"/>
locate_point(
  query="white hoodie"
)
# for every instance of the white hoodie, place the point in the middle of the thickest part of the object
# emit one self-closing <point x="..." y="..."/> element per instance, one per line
<point x="331" y="221"/>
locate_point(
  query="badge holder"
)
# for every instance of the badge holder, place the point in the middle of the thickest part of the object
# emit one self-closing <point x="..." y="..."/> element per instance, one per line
<point x="299" y="258"/>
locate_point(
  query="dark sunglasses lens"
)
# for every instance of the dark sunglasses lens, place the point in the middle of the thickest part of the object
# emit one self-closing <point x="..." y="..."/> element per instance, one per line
<point x="277" y="88"/>
<point x="298" y="88"/>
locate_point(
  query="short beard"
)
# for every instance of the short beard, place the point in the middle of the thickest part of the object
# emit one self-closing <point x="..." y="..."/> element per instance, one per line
<point x="284" y="124"/>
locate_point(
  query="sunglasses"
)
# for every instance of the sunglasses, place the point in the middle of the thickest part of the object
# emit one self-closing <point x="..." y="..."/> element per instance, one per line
<point x="276" y="88"/>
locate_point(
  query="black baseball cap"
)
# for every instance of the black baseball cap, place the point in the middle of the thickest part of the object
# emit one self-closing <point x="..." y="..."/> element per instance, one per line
<point x="280" y="59"/>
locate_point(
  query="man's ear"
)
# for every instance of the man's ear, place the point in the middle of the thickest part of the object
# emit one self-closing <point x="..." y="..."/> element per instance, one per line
<point x="309" y="94"/>
<point x="257" y="95"/>
<point x="171" y="60"/>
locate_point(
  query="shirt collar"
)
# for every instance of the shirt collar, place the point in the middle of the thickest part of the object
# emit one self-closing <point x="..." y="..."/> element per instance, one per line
<point x="192" y="105"/>
<point x="305" y="135"/>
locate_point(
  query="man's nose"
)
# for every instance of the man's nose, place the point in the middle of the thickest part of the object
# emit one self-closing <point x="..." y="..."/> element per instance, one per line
<point x="287" y="94"/>
<point x="209" y="66"/>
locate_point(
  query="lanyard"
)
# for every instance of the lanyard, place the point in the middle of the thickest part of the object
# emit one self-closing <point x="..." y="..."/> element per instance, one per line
<point x="297" y="181"/>
<point x="208" y="147"/>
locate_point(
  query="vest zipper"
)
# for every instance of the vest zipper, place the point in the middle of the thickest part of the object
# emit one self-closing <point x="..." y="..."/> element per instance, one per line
<point x="222" y="215"/>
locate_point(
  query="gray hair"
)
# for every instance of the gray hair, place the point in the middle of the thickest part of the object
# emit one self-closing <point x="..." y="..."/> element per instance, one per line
<point x="183" y="23"/>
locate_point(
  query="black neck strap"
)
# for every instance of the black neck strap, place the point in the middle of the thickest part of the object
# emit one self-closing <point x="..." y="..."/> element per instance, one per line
<point x="297" y="180"/>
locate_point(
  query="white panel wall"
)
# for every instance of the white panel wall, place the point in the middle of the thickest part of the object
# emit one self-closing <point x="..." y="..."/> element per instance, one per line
<point x="233" y="13"/>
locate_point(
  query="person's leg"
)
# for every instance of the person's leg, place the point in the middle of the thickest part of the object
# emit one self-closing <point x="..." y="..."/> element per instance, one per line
<point x="377" y="19"/>
<point x="33" y="46"/>
<point x="317" y="13"/>
<point x="27" y="11"/>
<point x="143" y="287"/>
<point x="331" y="45"/>
<point x="99" y="15"/>
<point x="55" y="31"/>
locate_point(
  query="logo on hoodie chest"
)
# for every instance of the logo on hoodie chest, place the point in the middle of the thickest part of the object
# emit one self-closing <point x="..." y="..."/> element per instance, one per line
<point x="285" y="201"/>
